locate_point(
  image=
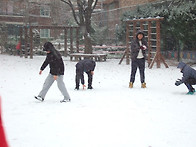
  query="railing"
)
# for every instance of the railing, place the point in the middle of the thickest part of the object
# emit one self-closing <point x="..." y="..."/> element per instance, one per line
<point x="183" y="54"/>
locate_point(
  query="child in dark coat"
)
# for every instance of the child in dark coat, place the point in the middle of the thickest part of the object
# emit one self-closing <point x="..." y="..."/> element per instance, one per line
<point x="138" y="55"/>
<point x="189" y="77"/>
<point x="82" y="66"/>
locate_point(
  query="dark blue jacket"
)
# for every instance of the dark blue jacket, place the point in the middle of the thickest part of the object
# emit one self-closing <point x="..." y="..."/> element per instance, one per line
<point x="187" y="71"/>
<point x="82" y="66"/>
<point x="85" y="65"/>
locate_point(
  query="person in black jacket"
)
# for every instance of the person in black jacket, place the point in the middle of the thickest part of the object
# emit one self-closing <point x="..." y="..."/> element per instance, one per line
<point x="55" y="62"/>
<point x="82" y="66"/>
<point x="189" y="77"/>
<point x="138" y="55"/>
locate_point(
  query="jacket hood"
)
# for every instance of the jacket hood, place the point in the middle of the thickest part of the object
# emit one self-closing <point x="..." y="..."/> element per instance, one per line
<point x="48" y="46"/>
<point x="181" y="65"/>
<point x="140" y="32"/>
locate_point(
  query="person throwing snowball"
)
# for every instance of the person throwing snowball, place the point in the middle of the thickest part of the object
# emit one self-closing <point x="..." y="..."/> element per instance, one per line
<point x="138" y="55"/>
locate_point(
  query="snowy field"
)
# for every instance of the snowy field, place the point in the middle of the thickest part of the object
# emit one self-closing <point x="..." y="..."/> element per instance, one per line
<point x="110" y="115"/>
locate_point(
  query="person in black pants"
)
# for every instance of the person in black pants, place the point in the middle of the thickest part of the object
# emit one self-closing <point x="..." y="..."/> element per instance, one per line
<point x="138" y="55"/>
<point x="82" y="66"/>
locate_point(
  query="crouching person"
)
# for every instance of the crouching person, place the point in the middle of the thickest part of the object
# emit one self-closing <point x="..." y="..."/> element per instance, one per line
<point x="189" y="77"/>
<point x="82" y="66"/>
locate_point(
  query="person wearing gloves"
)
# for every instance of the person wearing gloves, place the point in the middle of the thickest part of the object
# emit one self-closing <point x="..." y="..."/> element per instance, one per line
<point x="138" y="55"/>
<point x="82" y="66"/>
<point x="189" y="77"/>
<point x="55" y="62"/>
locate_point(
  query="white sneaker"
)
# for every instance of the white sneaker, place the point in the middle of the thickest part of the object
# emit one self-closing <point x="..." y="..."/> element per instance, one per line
<point x="39" y="98"/>
<point x="64" y="100"/>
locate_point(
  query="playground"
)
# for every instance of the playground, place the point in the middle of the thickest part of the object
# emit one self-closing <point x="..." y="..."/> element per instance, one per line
<point x="110" y="115"/>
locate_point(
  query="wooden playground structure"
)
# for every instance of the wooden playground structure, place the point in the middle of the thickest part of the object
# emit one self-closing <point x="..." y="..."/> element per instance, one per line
<point x="151" y="27"/>
<point x="27" y="32"/>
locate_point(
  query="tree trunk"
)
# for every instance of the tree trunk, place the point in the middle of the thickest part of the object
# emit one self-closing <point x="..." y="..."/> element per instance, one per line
<point x="88" y="44"/>
<point x="87" y="34"/>
<point x="85" y="8"/>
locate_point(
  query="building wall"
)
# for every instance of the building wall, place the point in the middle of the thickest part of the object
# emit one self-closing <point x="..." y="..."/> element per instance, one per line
<point x="16" y="13"/>
<point x="124" y="3"/>
<point x="113" y="10"/>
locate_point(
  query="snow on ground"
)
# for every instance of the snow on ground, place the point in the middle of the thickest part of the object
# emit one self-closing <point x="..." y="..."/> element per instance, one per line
<point x="110" y="115"/>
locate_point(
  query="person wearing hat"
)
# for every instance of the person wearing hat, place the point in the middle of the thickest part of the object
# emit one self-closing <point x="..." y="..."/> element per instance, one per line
<point x="138" y="55"/>
<point x="189" y="77"/>
<point x="55" y="62"/>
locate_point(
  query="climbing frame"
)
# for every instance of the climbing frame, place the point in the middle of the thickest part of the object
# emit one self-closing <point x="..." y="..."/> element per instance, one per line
<point x="151" y="27"/>
<point x="28" y="34"/>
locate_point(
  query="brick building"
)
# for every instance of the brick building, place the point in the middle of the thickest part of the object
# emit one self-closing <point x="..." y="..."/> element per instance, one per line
<point x="117" y="7"/>
<point x="14" y="14"/>
<point x="125" y="3"/>
<point x="112" y="11"/>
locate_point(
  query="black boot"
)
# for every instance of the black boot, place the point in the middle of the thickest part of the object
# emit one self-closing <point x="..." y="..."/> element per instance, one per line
<point x="76" y="88"/>
<point x="90" y="87"/>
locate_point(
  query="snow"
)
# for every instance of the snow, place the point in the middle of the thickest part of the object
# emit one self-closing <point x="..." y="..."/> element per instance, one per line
<point x="110" y="115"/>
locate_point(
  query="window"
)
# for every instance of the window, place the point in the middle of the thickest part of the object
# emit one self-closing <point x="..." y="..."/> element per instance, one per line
<point x="45" y="11"/>
<point x="45" y="33"/>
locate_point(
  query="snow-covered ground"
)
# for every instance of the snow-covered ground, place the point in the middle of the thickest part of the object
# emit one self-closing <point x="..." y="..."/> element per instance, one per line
<point x="110" y="115"/>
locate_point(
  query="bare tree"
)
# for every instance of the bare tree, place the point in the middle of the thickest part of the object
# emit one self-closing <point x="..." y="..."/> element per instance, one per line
<point x="82" y="11"/>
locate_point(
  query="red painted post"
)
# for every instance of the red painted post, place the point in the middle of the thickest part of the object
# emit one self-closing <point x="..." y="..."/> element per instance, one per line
<point x="158" y="43"/>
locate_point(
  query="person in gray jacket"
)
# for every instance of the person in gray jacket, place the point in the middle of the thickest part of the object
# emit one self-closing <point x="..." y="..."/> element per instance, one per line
<point x="138" y="55"/>
<point x="189" y="77"/>
<point x="55" y="62"/>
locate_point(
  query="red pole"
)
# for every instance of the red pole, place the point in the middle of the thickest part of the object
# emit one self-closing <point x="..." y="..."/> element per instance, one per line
<point x="158" y="43"/>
